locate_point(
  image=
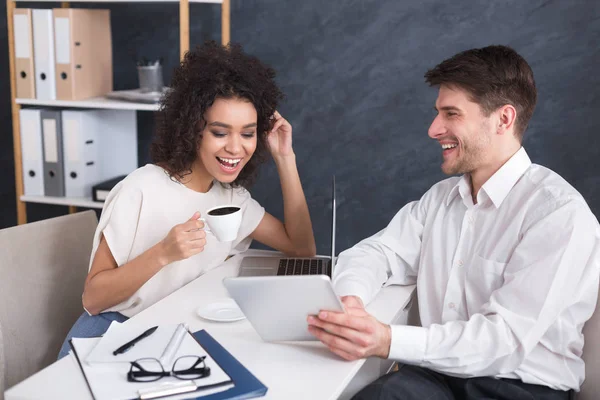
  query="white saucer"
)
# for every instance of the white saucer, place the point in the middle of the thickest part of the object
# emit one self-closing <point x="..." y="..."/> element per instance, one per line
<point x="225" y="310"/>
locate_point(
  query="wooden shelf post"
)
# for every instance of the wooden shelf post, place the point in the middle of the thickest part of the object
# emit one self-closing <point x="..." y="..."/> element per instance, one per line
<point x="15" y="108"/>
<point x="184" y="27"/>
<point x="225" y="22"/>
<point x="72" y="209"/>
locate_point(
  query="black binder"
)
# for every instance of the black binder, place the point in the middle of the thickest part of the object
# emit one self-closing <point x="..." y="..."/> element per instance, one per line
<point x="101" y="190"/>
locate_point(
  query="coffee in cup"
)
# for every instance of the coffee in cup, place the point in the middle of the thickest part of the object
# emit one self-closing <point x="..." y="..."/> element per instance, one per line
<point x="223" y="222"/>
<point x="223" y="210"/>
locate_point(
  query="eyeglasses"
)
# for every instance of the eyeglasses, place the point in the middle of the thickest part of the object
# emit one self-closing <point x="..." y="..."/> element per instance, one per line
<point x="185" y="368"/>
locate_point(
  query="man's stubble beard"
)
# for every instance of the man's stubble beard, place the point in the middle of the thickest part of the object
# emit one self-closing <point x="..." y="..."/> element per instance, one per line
<point x="470" y="155"/>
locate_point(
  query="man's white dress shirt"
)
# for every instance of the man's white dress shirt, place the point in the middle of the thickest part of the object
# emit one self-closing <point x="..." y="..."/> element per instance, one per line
<point x="504" y="285"/>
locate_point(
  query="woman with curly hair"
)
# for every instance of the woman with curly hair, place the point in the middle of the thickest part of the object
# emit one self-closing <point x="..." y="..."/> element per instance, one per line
<point x="217" y="124"/>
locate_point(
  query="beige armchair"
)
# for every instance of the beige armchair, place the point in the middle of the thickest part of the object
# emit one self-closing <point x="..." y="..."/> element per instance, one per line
<point x="2" y="385"/>
<point x="591" y="355"/>
<point x="43" y="266"/>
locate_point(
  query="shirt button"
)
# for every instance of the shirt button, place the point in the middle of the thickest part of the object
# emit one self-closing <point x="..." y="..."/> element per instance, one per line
<point x="460" y="263"/>
<point x="452" y="306"/>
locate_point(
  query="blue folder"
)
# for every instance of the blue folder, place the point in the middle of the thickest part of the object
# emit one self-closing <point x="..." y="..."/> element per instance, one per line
<point x="246" y="385"/>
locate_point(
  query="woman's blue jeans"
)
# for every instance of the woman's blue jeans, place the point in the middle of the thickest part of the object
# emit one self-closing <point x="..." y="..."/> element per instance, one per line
<point x="88" y="326"/>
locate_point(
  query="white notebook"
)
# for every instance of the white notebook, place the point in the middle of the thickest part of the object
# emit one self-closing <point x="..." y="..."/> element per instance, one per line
<point x="109" y="380"/>
<point x="153" y="346"/>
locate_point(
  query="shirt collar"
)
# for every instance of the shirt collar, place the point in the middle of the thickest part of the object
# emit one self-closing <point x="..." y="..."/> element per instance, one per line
<point x="463" y="186"/>
<point x="499" y="184"/>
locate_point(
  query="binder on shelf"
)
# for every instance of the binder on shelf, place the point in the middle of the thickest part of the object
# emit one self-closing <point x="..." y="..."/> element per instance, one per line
<point x="80" y="152"/>
<point x="83" y="53"/>
<point x="54" y="176"/>
<point x="23" y="45"/>
<point x="31" y="152"/>
<point x="101" y="190"/>
<point x="97" y="145"/>
<point x="118" y="140"/>
<point x="43" y="54"/>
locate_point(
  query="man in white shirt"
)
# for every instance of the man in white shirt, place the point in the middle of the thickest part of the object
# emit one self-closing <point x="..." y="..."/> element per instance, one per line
<point x="505" y="257"/>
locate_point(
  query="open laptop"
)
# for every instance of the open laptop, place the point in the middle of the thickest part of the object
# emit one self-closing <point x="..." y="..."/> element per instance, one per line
<point x="274" y="266"/>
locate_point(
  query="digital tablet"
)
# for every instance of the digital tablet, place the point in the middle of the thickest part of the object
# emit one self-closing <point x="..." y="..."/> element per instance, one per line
<point x="277" y="306"/>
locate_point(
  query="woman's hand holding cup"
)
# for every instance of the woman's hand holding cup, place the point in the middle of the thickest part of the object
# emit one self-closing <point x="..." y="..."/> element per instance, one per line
<point x="184" y="240"/>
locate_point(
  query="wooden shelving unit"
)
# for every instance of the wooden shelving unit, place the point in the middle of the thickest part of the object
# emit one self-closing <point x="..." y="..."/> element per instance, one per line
<point x="94" y="103"/>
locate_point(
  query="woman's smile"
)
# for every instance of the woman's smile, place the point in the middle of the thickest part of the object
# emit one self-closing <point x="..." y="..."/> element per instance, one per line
<point x="230" y="165"/>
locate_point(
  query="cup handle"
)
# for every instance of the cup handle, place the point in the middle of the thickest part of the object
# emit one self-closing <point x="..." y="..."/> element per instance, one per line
<point x="206" y="227"/>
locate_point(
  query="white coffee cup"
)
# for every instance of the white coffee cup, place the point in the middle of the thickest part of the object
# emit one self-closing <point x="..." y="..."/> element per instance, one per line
<point x="223" y="222"/>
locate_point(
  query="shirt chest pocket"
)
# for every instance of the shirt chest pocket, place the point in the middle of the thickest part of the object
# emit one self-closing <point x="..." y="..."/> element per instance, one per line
<point x="483" y="277"/>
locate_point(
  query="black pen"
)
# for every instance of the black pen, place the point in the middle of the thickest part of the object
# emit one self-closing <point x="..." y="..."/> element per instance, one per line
<point x="132" y="343"/>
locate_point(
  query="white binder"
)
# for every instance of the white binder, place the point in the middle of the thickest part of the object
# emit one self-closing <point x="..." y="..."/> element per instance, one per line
<point x="43" y="55"/>
<point x="118" y="131"/>
<point x="97" y="145"/>
<point x="31" y="152"/>
<point x="80" y="152"/>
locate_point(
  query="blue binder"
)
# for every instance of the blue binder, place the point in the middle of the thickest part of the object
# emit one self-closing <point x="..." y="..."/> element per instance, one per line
<point x="246" y="385"/>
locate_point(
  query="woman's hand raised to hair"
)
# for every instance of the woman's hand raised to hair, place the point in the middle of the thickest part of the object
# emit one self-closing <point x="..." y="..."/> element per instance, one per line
<point x="280" y="137"/>
<point x="184" y="240"/>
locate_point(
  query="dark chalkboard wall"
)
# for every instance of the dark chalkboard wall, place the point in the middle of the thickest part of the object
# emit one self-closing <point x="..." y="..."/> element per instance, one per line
<point x="353" y="75"/>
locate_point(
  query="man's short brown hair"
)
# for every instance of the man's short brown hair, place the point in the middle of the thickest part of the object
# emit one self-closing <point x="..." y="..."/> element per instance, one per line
<point x="493" y="76"/>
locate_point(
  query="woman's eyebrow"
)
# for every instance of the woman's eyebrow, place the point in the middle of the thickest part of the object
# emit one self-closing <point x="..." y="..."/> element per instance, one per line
<point x="224" y="125"/>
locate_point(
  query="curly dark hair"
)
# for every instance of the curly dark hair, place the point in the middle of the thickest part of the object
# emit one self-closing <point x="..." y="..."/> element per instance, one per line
<point x="206" y="73"/>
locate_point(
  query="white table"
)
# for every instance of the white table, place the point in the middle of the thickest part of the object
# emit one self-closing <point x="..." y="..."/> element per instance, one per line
<point x="298" y="370"/>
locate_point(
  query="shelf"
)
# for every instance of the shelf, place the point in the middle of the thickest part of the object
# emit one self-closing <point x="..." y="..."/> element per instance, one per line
<point x="122" y="1"/>
<point x="63" y="201"/>
<point x="119" y="110"/>
<point x="95" y="102"/>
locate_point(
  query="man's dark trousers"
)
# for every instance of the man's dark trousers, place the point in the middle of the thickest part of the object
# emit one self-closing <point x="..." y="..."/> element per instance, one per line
<point x="416" y="383"/>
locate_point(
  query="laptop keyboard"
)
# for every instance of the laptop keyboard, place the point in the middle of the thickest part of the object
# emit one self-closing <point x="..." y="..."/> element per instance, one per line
<point x="303" y="266"/>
